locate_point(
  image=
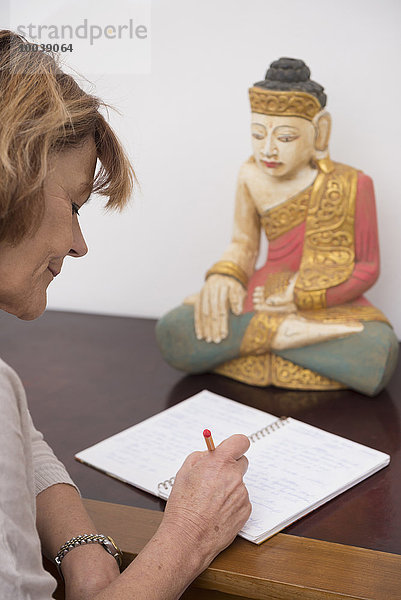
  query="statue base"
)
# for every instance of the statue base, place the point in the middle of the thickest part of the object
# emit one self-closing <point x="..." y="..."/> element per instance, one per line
<point x="270" y="369"/>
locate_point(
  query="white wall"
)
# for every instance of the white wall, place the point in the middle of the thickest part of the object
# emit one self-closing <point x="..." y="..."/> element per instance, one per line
<point x="186" y="127"/>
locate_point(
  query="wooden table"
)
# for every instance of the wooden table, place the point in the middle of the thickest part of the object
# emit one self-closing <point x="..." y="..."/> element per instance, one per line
<point x="88" y="377"/>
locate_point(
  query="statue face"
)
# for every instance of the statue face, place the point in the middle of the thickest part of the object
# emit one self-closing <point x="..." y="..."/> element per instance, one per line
<point x="282" y="146"/>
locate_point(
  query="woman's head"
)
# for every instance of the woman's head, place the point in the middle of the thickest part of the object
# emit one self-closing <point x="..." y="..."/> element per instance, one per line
<point x="51" y="135"/>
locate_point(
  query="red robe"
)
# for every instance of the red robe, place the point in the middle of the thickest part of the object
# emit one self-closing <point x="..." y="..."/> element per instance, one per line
<point x="285" y="253"/>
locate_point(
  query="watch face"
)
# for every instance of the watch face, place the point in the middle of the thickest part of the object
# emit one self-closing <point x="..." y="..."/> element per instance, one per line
<point x="112" y="542"/>
<point x="112" y="547"/>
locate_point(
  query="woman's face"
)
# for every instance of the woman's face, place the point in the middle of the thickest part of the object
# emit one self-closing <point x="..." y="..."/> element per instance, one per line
<point x="282" y="146"/>
<point x="27" y="269"/>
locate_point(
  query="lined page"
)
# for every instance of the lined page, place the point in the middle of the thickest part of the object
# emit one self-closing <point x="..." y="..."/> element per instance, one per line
<point x="155" y="449"/>
<point x="291" y="471"/>
<point x="297" y="468"/>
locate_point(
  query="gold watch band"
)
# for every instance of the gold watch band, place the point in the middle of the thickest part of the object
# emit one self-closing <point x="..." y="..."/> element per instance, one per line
<point x="89" y="538"/>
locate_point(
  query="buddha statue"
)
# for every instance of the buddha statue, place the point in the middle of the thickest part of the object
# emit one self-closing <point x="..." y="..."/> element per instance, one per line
<point x="301" y="321"/>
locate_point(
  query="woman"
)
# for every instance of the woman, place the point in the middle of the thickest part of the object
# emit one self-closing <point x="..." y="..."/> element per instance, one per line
<point x="51" y="135"/>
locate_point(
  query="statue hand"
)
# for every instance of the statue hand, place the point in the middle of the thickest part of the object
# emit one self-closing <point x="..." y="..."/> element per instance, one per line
<point x="274" y="303"/>
<point x="278" y="302"/>
<point x="219" y="294"/>
<point x="285" y="297"/>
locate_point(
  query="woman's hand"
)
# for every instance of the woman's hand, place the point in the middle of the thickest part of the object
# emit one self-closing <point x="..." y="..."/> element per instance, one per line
<point x="207" y="507"/>
<point x="219" y="295"/>
<point x="209" y="502"/>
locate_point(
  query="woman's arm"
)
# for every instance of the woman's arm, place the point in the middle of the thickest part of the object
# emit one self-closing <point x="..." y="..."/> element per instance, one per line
<point x="61" y="515"/>
<point x="162" y="570"/>
<point x="208" y="506"/>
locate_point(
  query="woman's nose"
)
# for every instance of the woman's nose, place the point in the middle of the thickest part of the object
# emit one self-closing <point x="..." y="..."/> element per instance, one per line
<point x="79" y="247"/>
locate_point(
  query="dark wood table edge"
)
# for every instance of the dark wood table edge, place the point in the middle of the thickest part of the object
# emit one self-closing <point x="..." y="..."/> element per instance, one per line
<point x="285" y="567"/>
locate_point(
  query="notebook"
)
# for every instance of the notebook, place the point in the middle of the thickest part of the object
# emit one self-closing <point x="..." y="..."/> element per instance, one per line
<point x="293" y="467"/>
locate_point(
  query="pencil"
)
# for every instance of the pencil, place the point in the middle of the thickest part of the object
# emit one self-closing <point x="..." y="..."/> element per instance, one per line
<point x="208" y="439"/>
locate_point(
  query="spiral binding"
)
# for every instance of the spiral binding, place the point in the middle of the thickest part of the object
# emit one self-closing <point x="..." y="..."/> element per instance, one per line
<point x="166" y="485"/>
<point x="268" y="429"/>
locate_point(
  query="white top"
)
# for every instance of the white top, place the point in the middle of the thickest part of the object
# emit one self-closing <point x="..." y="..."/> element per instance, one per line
<point x="27" y="467"/>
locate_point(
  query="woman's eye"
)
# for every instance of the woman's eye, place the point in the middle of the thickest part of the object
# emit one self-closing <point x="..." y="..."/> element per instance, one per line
<point x="75" y="209"/>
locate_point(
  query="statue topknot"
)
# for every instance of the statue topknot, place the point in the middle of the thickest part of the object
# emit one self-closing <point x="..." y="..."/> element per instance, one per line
<point x="287" y="74"/>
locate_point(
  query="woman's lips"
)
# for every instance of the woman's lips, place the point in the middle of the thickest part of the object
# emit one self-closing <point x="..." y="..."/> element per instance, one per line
<point x="271" y="165"/>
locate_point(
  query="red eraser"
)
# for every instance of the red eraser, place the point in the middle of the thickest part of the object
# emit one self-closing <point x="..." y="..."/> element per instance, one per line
<point x="206" y="433"/>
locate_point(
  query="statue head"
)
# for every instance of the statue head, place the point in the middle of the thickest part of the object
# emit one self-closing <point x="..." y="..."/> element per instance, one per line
<point x="290" y="126"/>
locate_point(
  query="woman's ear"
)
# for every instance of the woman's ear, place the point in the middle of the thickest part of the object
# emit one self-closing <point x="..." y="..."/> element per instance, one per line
<point x="322" y="123"/>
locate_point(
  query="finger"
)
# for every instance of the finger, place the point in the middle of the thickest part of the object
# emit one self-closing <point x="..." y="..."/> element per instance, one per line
<point x="192" y="459"/>
<point x="215" y="330"/>
<point x="243" y="463"/>
<point x="234" y="446"/>
<point x="241" y="299"/>
<point x="214" y="317"/>
<point x="223" y="312"/>
<point x="198" y="317"/>
<point x="240" y="295"/>
<point x="233" y="298"/>
<point x="205" y="300"/>
<point x="206" y="315"/>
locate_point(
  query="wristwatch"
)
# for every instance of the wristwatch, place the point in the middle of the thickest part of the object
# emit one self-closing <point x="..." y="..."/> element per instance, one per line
<point x="89" y="538"/>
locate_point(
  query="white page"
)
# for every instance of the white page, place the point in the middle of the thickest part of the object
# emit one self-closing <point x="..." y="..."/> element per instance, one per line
<point x="154" y="450"/>
<point x="291" y="470"/>
<point x="299" y="466"/>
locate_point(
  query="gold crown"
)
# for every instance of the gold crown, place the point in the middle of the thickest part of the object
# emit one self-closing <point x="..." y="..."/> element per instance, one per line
<point x="282" y="103"/>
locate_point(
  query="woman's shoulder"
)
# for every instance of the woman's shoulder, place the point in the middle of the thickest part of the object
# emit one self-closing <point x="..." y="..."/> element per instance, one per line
<point x="8" y="374"/>
<point x="5" y="367"/>
<point x="12" y="394"/>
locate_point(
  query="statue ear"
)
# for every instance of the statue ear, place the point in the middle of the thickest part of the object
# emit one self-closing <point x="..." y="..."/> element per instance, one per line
<point x="322" y="123"/>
